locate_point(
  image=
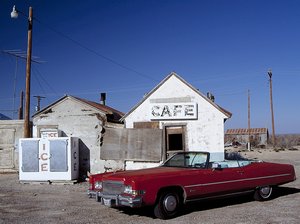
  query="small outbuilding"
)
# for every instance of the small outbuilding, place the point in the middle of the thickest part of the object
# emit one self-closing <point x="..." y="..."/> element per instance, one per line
<point x="75" y="117"/>
<point x="258" y="136"/>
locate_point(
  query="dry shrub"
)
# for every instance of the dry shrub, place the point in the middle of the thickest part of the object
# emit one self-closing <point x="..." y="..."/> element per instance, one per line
<point x="287" y="141"/>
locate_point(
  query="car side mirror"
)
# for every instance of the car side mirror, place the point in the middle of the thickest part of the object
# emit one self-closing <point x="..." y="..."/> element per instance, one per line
<point x="216" y="166"/>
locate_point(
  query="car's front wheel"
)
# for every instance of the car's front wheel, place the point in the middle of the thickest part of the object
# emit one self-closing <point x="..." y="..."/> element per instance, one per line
<point x="263" y="193"/>
<point x="167" y="205"/>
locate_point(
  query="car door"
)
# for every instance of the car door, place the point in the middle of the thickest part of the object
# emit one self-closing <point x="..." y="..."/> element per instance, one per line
<point x="223" y="180"/>
<point x="216" y="181"/>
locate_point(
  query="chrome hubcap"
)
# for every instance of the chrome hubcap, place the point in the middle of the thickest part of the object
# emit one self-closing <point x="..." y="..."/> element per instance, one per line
<point x="265" y="191"/>
<point x="170" y="203"/>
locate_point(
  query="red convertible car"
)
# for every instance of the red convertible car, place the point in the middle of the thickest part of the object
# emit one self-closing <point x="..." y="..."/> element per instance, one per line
<point x="187" y="177"/>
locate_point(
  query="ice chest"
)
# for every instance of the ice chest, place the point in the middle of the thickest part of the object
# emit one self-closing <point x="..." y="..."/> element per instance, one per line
<point x="48" y="159"/>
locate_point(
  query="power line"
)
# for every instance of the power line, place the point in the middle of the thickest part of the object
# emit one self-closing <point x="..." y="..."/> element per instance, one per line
<point x="95" y="52"/>
<point x="39" y="83"/>
<point x="36" y="71"/>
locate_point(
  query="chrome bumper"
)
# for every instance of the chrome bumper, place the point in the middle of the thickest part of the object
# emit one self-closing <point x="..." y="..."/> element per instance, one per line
<point x="118" y="200"/>
<point x="91" y="193"/>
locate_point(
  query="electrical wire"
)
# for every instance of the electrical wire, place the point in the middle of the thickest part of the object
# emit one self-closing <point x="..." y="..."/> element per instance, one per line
<point x="42" y="77"/>
<point x="95" y="52"/>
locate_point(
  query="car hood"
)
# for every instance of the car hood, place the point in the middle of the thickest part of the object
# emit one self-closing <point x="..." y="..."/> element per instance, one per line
<point x="146" y="173"/>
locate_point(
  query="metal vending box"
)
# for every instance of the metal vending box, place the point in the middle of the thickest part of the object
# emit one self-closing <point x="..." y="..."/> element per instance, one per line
<point x="48" y="159"/>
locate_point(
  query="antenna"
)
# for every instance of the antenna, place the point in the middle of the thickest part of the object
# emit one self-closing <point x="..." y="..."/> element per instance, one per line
<point x="38" y="107"/>
<point x="18" y="54"/>
<point x="22" y="54"/>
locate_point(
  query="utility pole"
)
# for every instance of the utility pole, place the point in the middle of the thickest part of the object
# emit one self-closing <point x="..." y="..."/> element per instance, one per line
<point x="14" y="15"/>
<point x="249" y="128"/>
<point x="21" y="106"/>
<point x="28" y="71"/>
<point x="272" y="112"/>
<point x="38" y="107"/>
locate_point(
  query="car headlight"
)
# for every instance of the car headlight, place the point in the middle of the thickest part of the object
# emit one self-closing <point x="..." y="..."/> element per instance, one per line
<point x="98" y="185"/>
<point x="128" y="190"/>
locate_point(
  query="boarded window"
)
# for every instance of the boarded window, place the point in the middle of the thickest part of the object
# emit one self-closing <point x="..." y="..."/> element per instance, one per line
<point x="151" y="124"/>
<point x="132" y="144"/>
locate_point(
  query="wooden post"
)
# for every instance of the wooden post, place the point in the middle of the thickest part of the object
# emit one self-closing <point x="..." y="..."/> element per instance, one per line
<point x="21" y="106"/>
<point x="27" y="133"/>
<point x="38" y="107"/>
<point x="272" y="112"/>
<point x="249" y="134"/>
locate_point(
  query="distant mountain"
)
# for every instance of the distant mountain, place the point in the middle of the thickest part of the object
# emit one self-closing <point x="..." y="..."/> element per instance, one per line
<point x="3" y="117"/>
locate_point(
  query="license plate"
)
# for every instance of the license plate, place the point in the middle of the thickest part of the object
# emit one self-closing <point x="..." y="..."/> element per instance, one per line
<point x="107" y="202"/>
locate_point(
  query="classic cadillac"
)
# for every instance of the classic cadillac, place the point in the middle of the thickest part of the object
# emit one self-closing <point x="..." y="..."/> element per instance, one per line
<point x="187" y="177"/>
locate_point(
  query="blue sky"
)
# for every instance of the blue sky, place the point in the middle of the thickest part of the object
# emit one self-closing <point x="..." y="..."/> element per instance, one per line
<point x="125" y="48"/>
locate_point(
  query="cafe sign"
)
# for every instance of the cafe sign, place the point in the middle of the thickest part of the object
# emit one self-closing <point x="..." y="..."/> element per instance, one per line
<point x="176" y="111"/>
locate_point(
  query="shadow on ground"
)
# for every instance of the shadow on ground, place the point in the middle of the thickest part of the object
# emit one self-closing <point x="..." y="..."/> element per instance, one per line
<point x="284" y="191"/>
<point x="210" y="204"/>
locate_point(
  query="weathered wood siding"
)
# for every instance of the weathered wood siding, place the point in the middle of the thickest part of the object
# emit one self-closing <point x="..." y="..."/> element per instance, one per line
<point x="132" y="144"/>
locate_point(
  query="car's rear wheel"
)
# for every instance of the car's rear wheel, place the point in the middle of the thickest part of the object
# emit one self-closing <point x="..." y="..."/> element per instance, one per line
<point x="263" y="193"/>
<point x="167" y="205"/>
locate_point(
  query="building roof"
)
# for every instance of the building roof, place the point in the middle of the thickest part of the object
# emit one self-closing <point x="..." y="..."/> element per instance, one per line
<point x="225" y="112"/>
<point x="3" y="117"/>
<point x="112" y="114"/>
<point x="244" y="131"/>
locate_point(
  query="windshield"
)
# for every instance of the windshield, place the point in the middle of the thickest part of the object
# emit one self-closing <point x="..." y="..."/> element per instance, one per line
<point x="188" y="160"/>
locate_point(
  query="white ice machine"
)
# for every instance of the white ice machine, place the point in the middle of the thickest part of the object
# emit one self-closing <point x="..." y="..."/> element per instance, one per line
<point x="48" y="159"/>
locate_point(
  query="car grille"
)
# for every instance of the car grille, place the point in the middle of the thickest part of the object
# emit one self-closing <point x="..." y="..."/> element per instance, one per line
<point x="113" y="187"/>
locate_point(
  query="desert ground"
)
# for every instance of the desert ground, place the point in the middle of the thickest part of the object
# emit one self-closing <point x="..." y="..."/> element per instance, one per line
<point x="60" y="203"/>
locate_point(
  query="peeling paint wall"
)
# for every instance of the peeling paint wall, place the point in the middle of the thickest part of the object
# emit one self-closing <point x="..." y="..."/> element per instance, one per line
<point x="205" y="133"/>
<point x="77" y="119"/>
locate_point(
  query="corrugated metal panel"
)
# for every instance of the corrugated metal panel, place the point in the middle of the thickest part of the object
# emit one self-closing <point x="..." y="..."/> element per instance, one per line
<point x="245" y="131"/>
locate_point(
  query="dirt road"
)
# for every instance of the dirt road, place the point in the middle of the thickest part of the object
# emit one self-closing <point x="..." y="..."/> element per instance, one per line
<point x="44" y="203"/>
